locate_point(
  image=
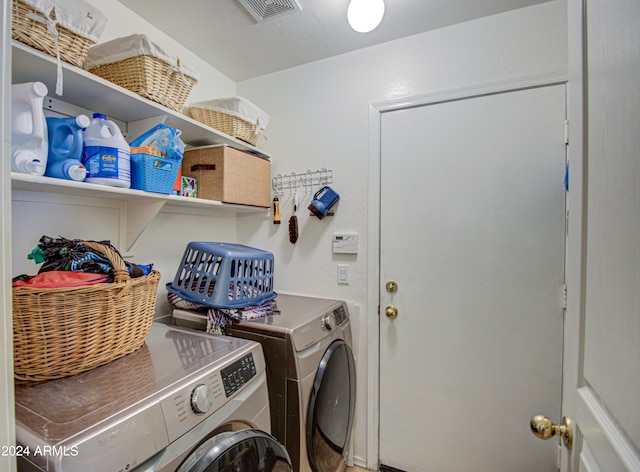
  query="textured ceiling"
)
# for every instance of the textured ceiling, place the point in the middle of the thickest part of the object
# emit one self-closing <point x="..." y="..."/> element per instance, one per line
<point x="225" y="35"/>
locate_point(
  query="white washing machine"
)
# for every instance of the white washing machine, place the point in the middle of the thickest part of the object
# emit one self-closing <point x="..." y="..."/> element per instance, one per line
<point x="183" y="402"/>
<point x="311" y="376"/>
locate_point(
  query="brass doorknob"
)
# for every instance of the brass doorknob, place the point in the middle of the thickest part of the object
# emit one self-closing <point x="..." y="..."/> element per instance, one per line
<point x="544" y="428"/>
<point x="391" y="312"/>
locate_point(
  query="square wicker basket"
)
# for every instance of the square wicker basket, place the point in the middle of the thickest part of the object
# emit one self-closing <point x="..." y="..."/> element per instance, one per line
<point x="147" y="76"/>
<point x="31" y="28"/>
<point x="228" y="124"/>
<point x="234" y="116"/>
<point x="139" y="65"/>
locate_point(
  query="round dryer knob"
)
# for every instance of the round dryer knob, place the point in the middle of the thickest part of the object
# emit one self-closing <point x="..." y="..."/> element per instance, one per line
<point x="201" y="399"/>
<point x="328" y="322"/>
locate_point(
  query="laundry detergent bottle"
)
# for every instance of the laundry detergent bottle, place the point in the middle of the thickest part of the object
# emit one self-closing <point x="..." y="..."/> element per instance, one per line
<point x="106" y="153"/>
<point x="29" y="142"/>
<point x="66" y="145"/>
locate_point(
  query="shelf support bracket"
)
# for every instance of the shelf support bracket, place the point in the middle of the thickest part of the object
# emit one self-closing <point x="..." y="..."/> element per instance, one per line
<point x="139" y="214"/>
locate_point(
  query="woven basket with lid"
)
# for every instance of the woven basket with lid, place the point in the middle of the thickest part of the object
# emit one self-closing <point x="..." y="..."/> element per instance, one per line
<point x="76" y="24"/>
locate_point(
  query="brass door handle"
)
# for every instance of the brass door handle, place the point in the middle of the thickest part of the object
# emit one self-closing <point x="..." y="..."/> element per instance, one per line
<point x="543" y="428"/>
<point x="391" y="312"/>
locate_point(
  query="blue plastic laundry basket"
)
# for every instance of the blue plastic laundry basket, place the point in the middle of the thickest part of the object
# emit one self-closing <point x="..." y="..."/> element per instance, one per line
<point x="224" y="275"/>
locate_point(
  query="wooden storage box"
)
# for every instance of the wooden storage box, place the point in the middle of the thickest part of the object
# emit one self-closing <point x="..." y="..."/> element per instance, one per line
<point x="228" y="175"/>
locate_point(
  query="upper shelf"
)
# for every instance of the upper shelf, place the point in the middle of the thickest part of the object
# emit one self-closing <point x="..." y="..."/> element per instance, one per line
<point x="33" y="183"/>
<point x="142" y="207"/>
<point x="86" y="90"/>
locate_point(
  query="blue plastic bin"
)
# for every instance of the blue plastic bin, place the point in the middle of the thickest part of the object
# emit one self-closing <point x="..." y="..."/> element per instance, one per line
<point x="224" y="275"/>
<point x="154" y="173"/>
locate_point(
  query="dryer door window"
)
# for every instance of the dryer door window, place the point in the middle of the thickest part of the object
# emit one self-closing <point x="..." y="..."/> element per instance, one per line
<point x="331" y="408"/>
<point x="248" y="450"/>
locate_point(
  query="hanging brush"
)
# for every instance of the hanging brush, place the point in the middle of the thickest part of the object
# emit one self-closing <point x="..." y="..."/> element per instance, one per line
<point x="293" y="221"/>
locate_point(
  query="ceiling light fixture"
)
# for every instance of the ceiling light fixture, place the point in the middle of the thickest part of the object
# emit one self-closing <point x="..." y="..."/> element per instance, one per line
<point x="365" y="15"/>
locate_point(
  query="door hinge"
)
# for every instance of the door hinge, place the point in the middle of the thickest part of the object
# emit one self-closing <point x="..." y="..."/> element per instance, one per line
<point x="564" y="297"/>
<point x="566" y="131"/>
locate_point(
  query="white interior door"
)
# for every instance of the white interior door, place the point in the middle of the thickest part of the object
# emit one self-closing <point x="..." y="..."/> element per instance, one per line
<point x="603" y="382"/>
<point x="472" y="231"/>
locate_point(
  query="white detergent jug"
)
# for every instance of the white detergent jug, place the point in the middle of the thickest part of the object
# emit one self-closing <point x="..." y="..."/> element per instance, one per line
<point x="29" y="141"/>
<point x="106" y="153"/>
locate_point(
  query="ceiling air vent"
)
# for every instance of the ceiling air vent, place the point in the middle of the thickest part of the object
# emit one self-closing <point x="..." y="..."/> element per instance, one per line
<point x="263" y="10"/>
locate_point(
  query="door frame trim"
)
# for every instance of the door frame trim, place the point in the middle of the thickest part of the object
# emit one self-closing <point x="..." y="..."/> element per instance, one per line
<point x="376" y="110"/>
<point x="7" y="398"/>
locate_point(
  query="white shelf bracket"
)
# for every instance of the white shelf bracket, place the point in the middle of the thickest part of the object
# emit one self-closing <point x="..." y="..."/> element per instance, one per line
<point x="139" y="214"/>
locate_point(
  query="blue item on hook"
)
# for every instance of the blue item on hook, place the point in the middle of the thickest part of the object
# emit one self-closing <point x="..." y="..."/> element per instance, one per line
<point x="322" y="202"/>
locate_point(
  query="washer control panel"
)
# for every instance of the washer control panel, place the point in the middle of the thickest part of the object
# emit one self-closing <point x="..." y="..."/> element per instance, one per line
<point x="238" y="374"/>
<point x="307" y="320"/>
<point x="189" y="405"/>
<point x="340" y="314"/>
<point x="333" y="319"/>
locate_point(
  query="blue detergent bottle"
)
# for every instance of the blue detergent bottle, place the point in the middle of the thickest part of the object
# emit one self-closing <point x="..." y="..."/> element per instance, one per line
<point x="66" y="144"/>
<point x="106" y="156"/>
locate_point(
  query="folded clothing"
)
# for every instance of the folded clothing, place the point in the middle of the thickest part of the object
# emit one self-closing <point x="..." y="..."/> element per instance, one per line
<point x="61" y="279"/>
<point x="219" y="318"/>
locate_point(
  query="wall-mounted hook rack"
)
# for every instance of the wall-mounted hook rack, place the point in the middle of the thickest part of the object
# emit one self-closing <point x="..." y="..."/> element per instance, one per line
<point x="306" y="181"/>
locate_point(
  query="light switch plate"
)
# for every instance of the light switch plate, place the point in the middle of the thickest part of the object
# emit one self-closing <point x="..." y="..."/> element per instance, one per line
<point x="343" y="274"/>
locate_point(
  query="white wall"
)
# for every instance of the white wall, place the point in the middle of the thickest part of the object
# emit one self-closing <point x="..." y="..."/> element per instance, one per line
<point x="319" y="118"/>
<point x="123" y="22"/>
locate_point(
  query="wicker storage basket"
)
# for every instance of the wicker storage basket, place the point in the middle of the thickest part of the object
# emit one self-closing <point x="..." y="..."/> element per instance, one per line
<point x="234" y="116"/>
<point x="138" y="65"/>
<point x="65" y="331"/>
<point x="79" y="25"/>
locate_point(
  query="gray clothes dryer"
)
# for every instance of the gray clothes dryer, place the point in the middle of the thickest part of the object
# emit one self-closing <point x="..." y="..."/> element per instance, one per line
<point x="310" y="374"/>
